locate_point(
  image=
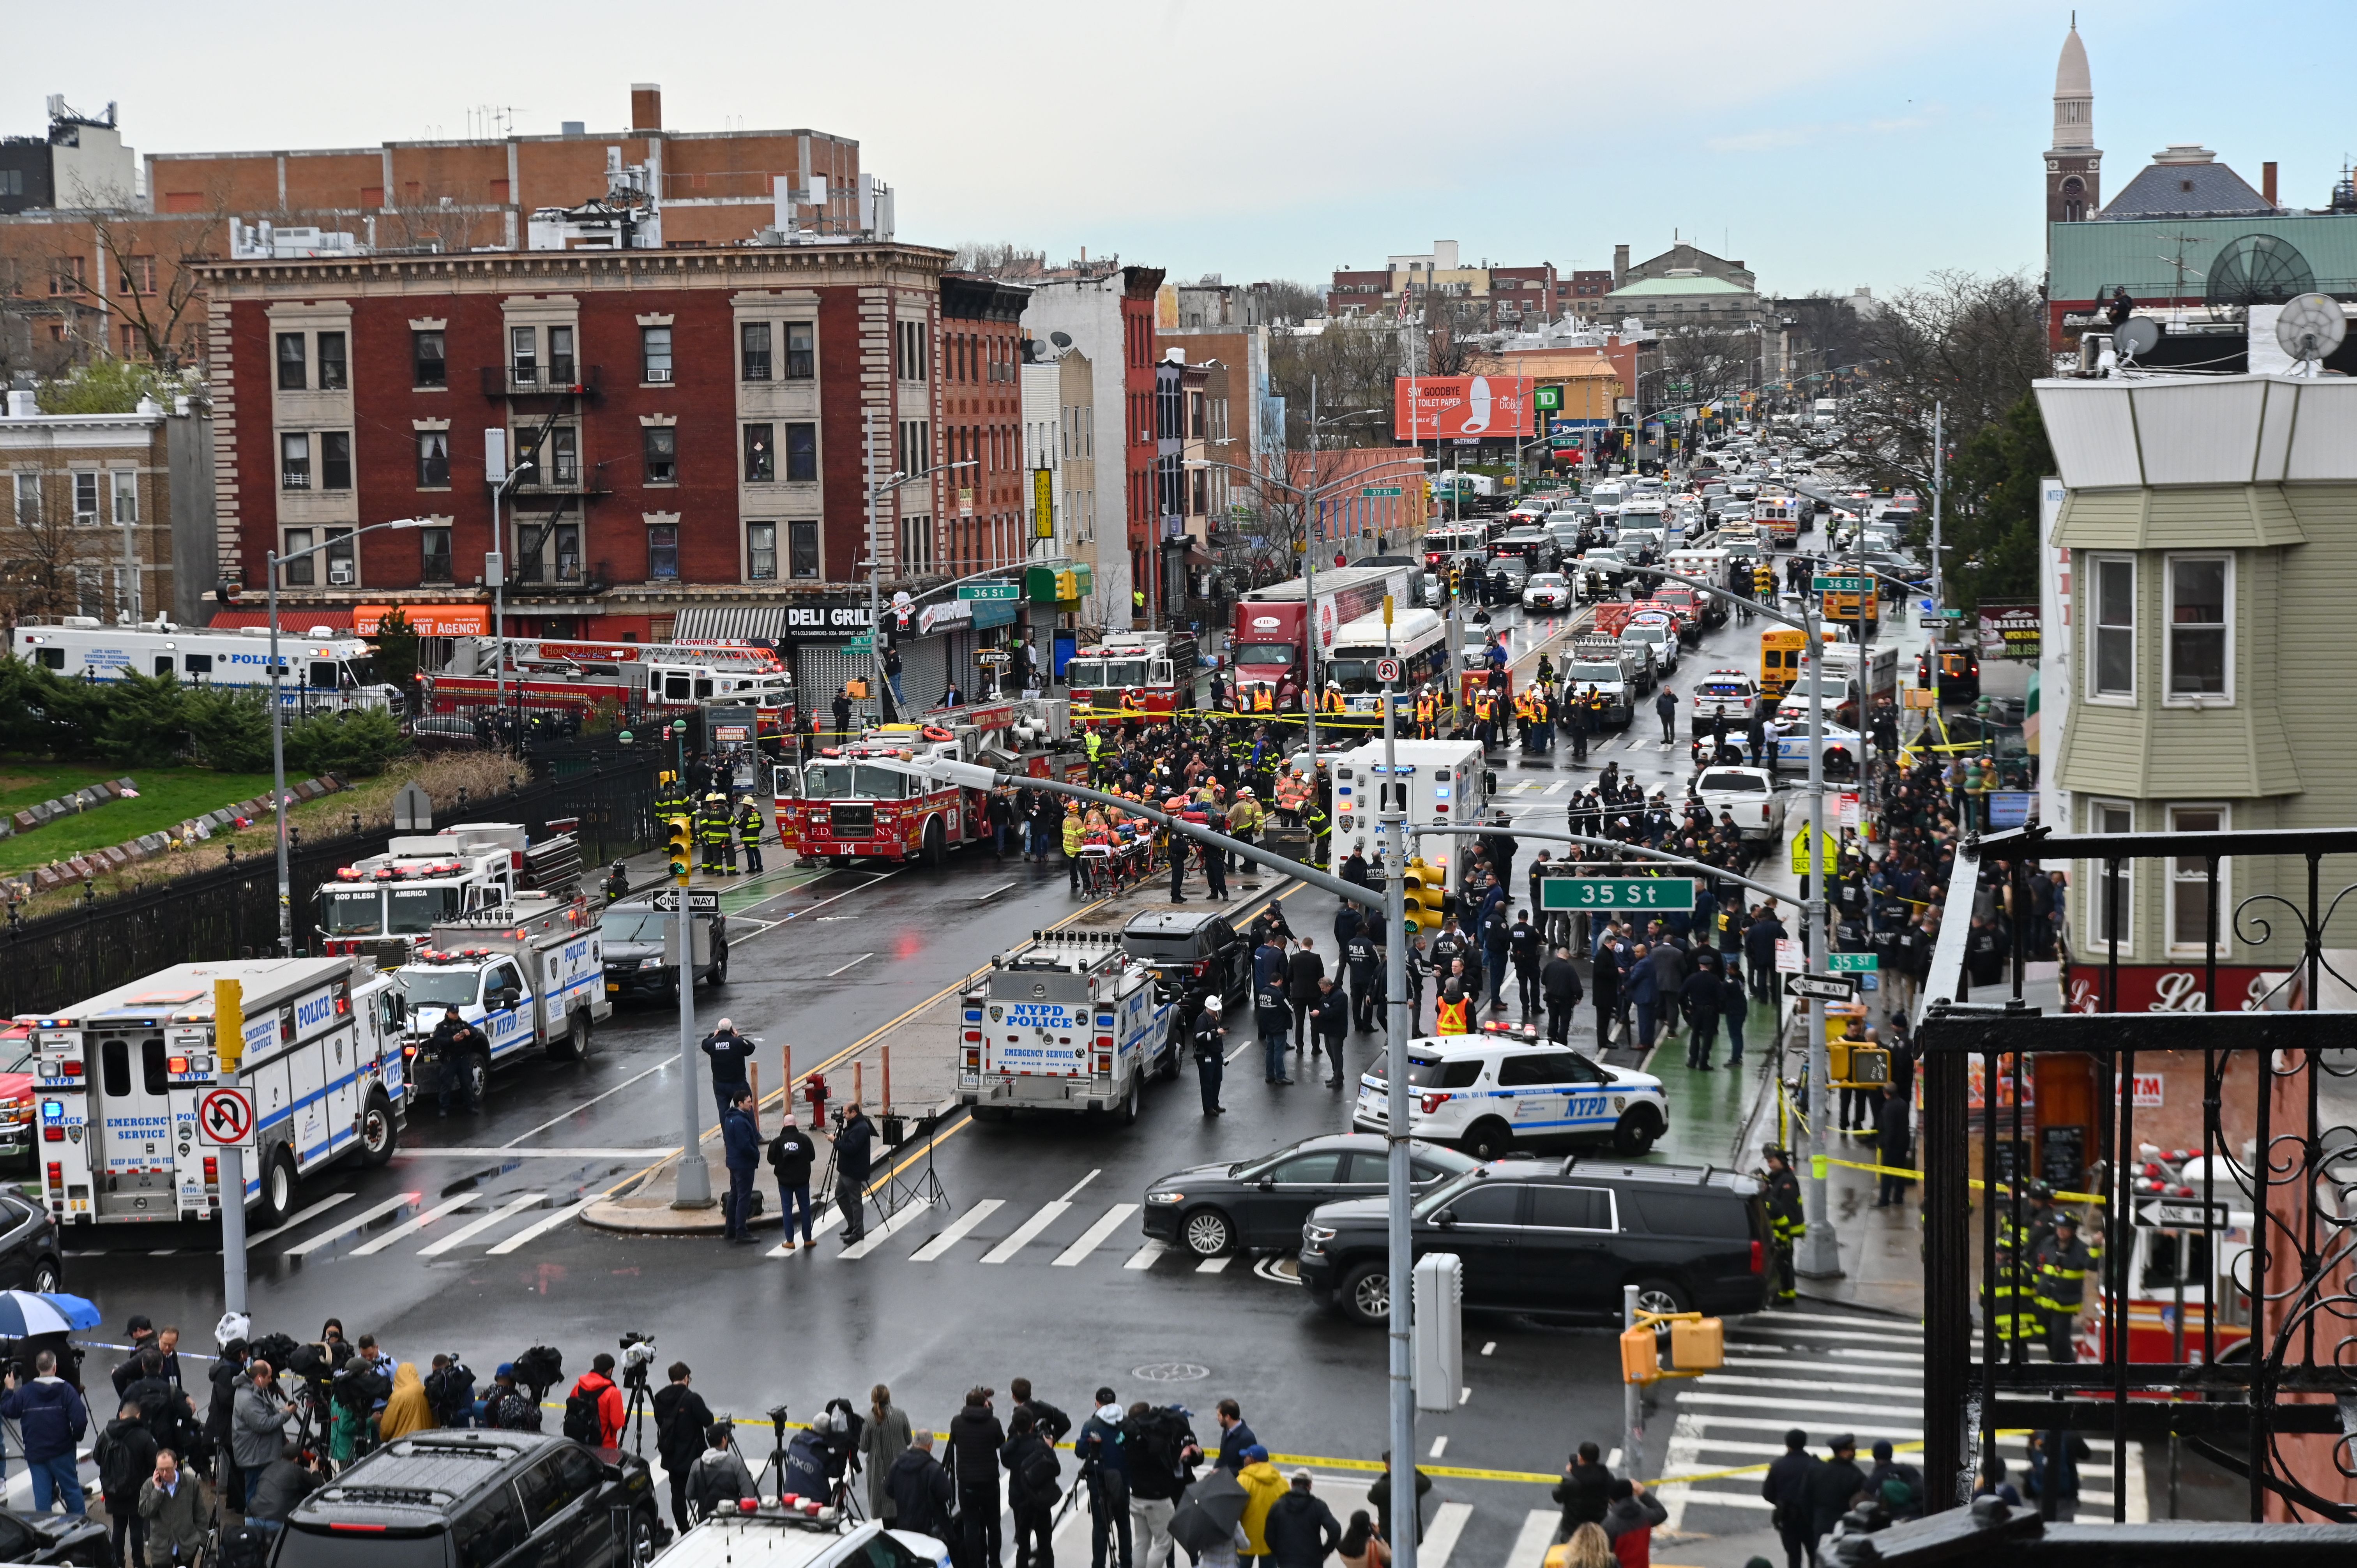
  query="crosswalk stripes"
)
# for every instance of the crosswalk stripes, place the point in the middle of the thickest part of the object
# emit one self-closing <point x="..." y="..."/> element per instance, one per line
<point x="957" y="1229"/>
<point x="1777" y="1367"/>
<point x="1532" y="1541"/>
<point x="411" y="1226"/>
<point x="465" y="1234"/>
<point x="1144" y="1257"/>
<point x="532" y="1232"/>
<point x="885" y="1229"/>
<point x="1025" y="1233"/>
<point x="1094" y="1236"/>
<point x="349" y="1223"/>
<point x="1440" y="1538"/>
<point x="302" y="1217"/>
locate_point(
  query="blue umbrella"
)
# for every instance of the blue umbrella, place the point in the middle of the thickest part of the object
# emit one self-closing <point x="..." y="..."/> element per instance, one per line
<point x="25" y="1313"/>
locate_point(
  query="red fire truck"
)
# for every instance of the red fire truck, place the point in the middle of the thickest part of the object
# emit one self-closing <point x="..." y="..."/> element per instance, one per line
<point x="1268" y="630"/>
<point x="1147" y="675"/>
<point x="840" y="806"/>
<point x="560" y="674"/>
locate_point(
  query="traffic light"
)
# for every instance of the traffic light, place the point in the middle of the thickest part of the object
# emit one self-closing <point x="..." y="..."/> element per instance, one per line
<point x="1422" y="897"/>
<point x="228" y="1023"/>
<point x="683" y="841"/>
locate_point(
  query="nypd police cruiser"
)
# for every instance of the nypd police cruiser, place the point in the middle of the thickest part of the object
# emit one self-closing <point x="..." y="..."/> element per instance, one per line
<point x="1489" y="1093"/>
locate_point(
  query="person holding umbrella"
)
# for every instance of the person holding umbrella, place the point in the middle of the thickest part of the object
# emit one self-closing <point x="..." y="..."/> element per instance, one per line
<point x="1209" y="1522"/>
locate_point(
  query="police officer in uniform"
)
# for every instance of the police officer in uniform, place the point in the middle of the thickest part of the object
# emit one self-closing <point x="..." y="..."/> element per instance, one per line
<point x="447" y="1053"/>
<point x="1786" y="1222"/>
<point x="1209" y="1043"/>
<point x="2062" y="1263"/>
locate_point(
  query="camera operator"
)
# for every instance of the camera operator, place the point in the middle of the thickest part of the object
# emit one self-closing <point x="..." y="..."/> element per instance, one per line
<point x="976" y="1438"/>
<point x="1106" y="1469"/>
<point x="356" y="1391"/>
<point x="718" y="1474"/>
<point x="257" y="1422"/>
<point x="920" y="1490"/>
<point x="506" y="1407"/>
<point x="594" y="1409"/>
<point x="228" y="1373"/>
<point x="681" y="1419"/>
<point x="290" y="1477"/>
<point x="450" y="1392"/>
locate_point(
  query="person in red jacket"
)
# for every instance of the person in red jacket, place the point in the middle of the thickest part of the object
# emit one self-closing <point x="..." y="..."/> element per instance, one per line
<point x="597" y="1387"/>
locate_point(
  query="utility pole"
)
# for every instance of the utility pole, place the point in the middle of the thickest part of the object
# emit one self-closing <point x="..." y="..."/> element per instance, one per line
<point x="692" y="1188"/>
<point x="1939" y="490"/>
<point x="1391" y="830"/>
<point x="1310" y="595"/>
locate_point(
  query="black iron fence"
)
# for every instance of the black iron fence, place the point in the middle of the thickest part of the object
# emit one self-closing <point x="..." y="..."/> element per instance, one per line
<point x="231" y="911"/>
<point x="2259" y="1242"/>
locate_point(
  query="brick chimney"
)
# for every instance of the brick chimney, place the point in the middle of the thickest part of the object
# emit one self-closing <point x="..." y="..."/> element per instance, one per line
<point x="2267" y="182"/>
<point x="1620" y="264"/>
<point x="646" y="106"/>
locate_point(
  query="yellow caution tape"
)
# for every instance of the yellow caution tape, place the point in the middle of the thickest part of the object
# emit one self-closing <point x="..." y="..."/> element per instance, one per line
<point x="1819" y="1162"/>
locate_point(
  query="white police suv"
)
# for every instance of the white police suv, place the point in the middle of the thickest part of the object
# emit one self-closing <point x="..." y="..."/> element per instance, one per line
<point x="1489" y="1093"/>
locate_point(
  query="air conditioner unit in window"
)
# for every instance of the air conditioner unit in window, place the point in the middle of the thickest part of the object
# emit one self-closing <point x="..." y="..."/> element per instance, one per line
<point x="340" y="573"/>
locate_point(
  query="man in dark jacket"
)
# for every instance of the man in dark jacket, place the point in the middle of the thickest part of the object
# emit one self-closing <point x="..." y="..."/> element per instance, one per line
<point x="1329" y="1025"/>
<point x="1559" y="982"/>
<point x="1363" y="955"/>
<point x="1669" y="967"/>
<point x="1379" y="1492"/>
<point x="1759" y="939"/>
<point x="921" y="1489"/>
<point x="976" y="1438"/>
<point x="681" y="1419"/>
<point x="741" y="1141"/>
<point x="1893" y="1149"/>
<point x="1833" y="1484"/>
<point x="1700" y="993"/>
<point x="1301" y="1529"/>
<point x="729" y="1052"/>
<point x="1302" y="973"/>
<point x="125" y="1455"/>
<point x="791" y="1153"/>
<point x="1031" y="1491"/>
<point x="1104" y="1466"/>
<point x="1585" y="1491"/>
<point x="284" y="1483"/>
<point x="854" y="1148"/>
<point x="1787" y="1491"/>
<point x="52" y="1418"/>
<point x="227" y="1374"/>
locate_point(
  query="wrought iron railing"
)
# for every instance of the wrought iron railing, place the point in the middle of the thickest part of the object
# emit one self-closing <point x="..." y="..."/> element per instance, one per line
<point x="2233" y="1402"/>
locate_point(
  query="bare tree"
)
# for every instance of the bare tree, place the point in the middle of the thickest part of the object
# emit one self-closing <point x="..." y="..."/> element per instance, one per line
<point x="1456" y="336"/>
<point x="1966" y="343"/>
<point x="1286" y="302"/>
<point x="1702" y="364"/>
<point x="1001" y="260"/>
<point x="40" y="558"/>
<point x="148" y="284"/>
<point x="1354" y="363"/>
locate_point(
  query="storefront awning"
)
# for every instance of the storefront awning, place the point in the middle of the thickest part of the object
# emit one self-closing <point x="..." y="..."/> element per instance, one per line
<point x="426" y="620"/>
<point x="294" y="618"/>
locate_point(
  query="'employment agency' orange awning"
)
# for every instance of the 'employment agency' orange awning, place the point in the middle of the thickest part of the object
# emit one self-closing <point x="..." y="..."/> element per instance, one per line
<point x="426" y="620"/>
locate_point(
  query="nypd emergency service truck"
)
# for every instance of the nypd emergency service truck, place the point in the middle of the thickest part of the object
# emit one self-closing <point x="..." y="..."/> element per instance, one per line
<point x="119" y="1079"/>
<point x="531" y="974"/>
<point x="317" y="670"/>
<point x="1069" y="1022"/>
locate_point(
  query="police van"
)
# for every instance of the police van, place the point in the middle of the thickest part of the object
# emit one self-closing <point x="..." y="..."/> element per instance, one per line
<point x="119" y="1079"/>
<point x="533" y="974"/>
<point x="317" y="669"/>
<point x="1489" y="1093"/>
<point x="1069" y="1022"/>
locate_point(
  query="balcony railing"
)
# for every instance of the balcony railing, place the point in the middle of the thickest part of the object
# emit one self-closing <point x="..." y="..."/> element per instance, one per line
<point x="540" y="380"/>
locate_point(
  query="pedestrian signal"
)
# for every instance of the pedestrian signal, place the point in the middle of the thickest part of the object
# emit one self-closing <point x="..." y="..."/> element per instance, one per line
<point x="683" y="846"/>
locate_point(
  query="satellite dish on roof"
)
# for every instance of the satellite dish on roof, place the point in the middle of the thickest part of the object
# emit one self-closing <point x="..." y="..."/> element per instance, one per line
<point x="1060" y="340"/>
<point x="2135" y="337"/>
<point x="2310" y="327"/>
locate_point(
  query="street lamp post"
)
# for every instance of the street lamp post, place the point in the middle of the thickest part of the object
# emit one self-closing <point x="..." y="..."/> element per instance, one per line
<point x="892" y="481"/>
<point x="496" y="566"/>
<point x="278" y="728"/>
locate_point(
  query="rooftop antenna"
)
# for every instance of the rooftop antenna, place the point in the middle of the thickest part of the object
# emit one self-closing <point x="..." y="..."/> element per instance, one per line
<point x="2308" y="329"/>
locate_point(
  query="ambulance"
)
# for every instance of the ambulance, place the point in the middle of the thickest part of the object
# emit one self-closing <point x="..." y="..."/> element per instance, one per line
<point x="1446" y="783"/>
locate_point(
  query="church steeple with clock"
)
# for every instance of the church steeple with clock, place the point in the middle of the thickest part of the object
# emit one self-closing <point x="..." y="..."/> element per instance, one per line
<point x="2073" y="164"/>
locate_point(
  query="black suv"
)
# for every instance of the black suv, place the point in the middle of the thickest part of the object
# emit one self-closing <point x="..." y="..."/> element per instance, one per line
<point x="1194" y="954"/>
<point x="475" y="1499"/>
<point x="1559" y="1238"/>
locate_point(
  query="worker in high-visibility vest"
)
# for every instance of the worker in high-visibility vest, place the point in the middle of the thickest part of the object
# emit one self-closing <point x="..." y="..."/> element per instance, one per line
<point x="1264" y="700"/>
<point x="1456" y="1009"/>
<point x="1331" y="703"/>
<point x="1426" y="705"/>
<point x="1292" y="794"/>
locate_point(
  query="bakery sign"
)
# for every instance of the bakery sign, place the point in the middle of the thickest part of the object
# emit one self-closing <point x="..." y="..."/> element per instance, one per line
<point x="2009" y="631"/>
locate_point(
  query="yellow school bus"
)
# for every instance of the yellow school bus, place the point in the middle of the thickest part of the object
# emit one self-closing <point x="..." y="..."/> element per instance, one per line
<point x="1780" y="659"/>
<point x="1842" y="608"/>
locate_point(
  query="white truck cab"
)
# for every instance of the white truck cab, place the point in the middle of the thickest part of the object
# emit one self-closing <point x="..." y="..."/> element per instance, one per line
<point x="1491" y="1092"/>
<point x="533" y="974"/>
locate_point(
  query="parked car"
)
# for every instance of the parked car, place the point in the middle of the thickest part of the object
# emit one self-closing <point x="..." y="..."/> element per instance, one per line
<point x="777" y="1539"/>
<point x="1488" y="1093"/>
<point x="1192" y="950"/>
<point x="462" y="1496"/>
<point x="1558" y="1239"/>
<point x="76" y="1539"/>
<point x="1258" y="1204"/>
<point x="1547" y="591"/>
<point x="635" y="933"/>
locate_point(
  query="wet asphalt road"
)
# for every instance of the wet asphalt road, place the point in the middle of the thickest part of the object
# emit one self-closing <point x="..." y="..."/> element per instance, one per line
<point x="851" y="951"/>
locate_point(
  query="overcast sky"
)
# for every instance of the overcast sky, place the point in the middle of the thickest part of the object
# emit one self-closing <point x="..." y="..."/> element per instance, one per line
<point x="1832" y="144"/>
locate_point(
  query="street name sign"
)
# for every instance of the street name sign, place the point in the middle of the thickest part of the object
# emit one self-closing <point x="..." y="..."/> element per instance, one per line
<point x="1838" y="585"/>
<point x="1853" y="963"/>
<point x="1615" y="893"/>
<point x="990" y="590"/>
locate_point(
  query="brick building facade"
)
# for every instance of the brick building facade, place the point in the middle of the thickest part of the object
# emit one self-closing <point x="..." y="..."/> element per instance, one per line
<point x="697" y="420"/>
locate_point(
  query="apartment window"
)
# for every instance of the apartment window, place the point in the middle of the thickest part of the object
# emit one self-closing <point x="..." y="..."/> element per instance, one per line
<point x="802" y="452"/>
<point x="801" y="350"/>
<point x="434" y="562"/>
<point x="335" y="459"/>
<point x="428" y="367"/>
<point x="343" y="566"/>
<point x="64" y="274"/>
<point x="294" y="462"/>
<point x="85" y="500"/>
<point x="654" y="353"/>
<point x="127" y="497"/>
<point x="761" y="455"/>
<point x="801" y="549"/>
<point x="560" y="356"/>
<point x="2199" y="648"/>
<point x="2189" y="927"/>
<point x="334" y="375"/>
<point x="564" y="539"/>
<point x="138" y="276"/>
<point x="564" y="455"/>
<point x="432" y="460"/>
<point x="296" y="559"/>
<point x="912" y="356"/>
<point x="916" y="545"/>
<point x="916" y="445"/>
<point x="28" y="501"/>
<point x="761" y="552"/>
<point x="293" y="371"/>
<point x="2109" y="817"/>
<point x="2113" y="627"/>
<point x="661" y="445"/>
<point x="753" y="351"/>
<point x="663" y="551"/>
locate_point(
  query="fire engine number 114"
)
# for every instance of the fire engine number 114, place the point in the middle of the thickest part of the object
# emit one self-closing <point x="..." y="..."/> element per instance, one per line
<point x="1617" y="893"/>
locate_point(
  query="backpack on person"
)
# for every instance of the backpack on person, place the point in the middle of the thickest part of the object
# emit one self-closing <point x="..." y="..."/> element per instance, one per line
<point x="581" y="1422"/>
<point x="1159" y="1438"/>
<point x="1039" y="1475"/>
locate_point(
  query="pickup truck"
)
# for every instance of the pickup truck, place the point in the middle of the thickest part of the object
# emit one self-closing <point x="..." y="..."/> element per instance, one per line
<point x="527" y="975"/>
<point x="1745" y="794"/>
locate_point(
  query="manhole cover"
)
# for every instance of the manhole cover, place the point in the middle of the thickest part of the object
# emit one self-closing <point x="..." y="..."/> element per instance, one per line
<point x="1170" y="1372"/>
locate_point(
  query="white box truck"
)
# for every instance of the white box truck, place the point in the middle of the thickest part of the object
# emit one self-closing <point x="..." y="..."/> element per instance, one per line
<point x="119" y="1077"/>
<point x="1446" y="783"/>
<point x="1069" y="1022"/>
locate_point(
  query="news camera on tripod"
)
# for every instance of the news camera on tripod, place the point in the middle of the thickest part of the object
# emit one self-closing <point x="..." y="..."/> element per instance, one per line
<point x="820" y="1461"/>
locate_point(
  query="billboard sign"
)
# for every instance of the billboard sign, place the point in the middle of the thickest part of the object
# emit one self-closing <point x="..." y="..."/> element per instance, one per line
<point x="2009" y="631"/>
<point x="1426" y="408"/>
